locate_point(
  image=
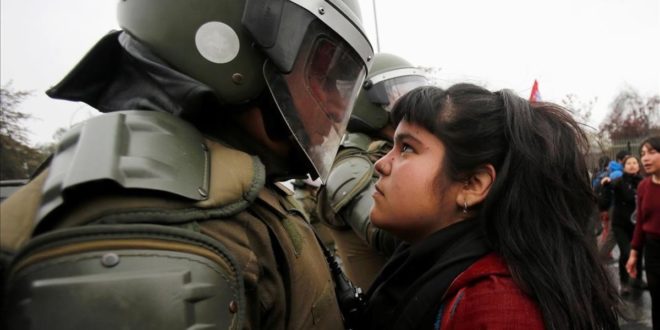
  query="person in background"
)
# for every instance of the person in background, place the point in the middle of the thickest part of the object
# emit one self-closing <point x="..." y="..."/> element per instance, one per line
<point x="647" y="227"/>
<point x="624" y="192"/>
<point x="166" y="211"/>
<point x="491" y="239"/>
<point x="345" y="201"/>
<point x="601" y="171"/>
<point x="603" y="197"/>
<point x="607" y="241"/>
<point x="615" y="167"/>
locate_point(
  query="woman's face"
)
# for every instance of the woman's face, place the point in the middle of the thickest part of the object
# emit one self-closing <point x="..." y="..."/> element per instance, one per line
<point x="650" y="160"/>
<point x="631" y="166"/>
<point x="413" y="197"/>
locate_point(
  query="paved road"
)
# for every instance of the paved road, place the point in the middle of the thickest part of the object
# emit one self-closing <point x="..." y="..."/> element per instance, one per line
<point x="636" y="309"/>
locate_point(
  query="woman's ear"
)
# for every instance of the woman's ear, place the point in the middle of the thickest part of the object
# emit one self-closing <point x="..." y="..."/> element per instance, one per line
<point x="476" y="187"/>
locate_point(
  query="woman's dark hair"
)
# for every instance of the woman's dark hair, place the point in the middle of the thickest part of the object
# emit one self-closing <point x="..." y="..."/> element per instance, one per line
<point x="537" y="214"/>
<point x="621" y="155"/>
<point x="652" y="141"/>
<point x="625" y="159"/>
<point x="603" y="161"/>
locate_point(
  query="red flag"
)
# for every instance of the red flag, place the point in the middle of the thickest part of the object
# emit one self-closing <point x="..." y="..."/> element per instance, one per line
<point x="536" y="95"/>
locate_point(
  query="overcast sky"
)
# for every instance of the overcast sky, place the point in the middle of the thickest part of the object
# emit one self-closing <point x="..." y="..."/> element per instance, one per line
<point x="591" y="48"/>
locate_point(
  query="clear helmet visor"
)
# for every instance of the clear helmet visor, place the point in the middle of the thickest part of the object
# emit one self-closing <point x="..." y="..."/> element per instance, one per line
<point x="387" y="92"/>
<point x="317" y="96"/>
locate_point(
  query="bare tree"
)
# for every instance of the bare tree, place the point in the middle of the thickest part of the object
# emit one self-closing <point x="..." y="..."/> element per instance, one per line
<point x="632" y="115"/>
<point x="582" y="111"/>
<point x="432" y="73"/>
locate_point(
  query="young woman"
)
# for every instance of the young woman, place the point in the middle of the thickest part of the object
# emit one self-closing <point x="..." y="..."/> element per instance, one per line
<point x="624" y="192"/>
<point x="490" y="194"/>
<point x="647" y="228"/>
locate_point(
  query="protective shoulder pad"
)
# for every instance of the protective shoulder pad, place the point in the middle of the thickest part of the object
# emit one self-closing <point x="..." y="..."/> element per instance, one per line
<point x="125" y="277"/>
<point x="236" y="177"/>
<point x="134" y="149"/>
<point x="133" y="165"/>
<point x="348" y="177"/>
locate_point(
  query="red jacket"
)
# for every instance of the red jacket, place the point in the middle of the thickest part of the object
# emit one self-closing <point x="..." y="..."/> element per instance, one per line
<point x="484" y="296"/>
<point x="648" y="212"/>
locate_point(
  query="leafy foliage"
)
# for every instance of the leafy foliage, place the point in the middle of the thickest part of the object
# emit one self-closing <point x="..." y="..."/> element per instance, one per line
<point x="10" y="119"/>
<point x="17" y="159"/>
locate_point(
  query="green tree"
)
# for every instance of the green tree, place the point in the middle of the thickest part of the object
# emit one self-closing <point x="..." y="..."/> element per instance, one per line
<point x="17" y="159"/>
<point x="10" y="119"/>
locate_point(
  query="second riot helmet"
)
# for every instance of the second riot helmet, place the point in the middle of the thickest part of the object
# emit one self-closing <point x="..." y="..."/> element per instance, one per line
<point x="390" y="77"/>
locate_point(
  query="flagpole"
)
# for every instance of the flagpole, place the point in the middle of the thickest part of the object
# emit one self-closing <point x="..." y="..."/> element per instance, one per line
<point x="376" y="23"/>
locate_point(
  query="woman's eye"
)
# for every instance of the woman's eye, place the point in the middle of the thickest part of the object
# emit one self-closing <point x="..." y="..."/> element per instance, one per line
<point x="406" y="148"/>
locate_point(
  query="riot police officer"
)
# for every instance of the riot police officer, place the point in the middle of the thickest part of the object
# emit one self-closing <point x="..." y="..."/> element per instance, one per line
<point x="164" y="212"/>
<point x="345" y="201"/>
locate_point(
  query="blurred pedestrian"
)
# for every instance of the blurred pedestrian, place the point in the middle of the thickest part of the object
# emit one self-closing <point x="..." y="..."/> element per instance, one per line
<point x="615" y="167"/>
<point x="647" y="228"/>
<point x="604" y="200"/>
<point x="607" y="241"/>
<point x="624" y="191"/>
<point x="492" y="240"/>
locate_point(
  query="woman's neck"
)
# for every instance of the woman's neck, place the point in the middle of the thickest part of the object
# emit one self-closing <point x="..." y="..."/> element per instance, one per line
<point x="655" y="178"/>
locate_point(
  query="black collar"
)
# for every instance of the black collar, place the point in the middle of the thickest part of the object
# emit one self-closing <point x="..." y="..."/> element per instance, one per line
<point x="408" y="291"/>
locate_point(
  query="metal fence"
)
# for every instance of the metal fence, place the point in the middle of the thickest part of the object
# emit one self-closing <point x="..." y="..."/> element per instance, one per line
<point x="629" y="143"/>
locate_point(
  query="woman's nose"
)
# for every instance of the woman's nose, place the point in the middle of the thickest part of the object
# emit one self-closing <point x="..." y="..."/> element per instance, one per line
<point x="383" y="165"/>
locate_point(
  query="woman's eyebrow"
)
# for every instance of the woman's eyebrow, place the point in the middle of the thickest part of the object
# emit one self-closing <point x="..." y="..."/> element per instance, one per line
<point x="405" y="137"/>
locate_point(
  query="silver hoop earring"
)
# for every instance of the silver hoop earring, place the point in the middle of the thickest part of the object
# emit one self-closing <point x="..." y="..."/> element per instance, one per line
<point x="465" y="207"/>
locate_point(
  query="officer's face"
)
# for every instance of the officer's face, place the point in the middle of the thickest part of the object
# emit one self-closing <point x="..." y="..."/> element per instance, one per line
<point x="413" y="197"/>
<point x="317" y="122"/>
<point x="319" y="100"/>
<point x="316" y="95"/>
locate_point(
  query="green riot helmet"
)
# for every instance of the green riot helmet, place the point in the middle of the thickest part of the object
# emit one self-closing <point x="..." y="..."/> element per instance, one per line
<point x="390" y="77"/>
<point x="311" y="55"/>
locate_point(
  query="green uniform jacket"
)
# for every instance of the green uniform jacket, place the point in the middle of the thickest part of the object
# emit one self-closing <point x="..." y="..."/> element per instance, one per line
<point x="287" y="282"/>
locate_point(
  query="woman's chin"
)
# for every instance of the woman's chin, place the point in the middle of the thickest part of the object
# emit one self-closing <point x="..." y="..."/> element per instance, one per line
<point x="376" y="218"/>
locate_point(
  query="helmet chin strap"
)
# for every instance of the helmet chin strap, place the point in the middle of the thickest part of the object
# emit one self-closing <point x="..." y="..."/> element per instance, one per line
<point x="274" y="124"/>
